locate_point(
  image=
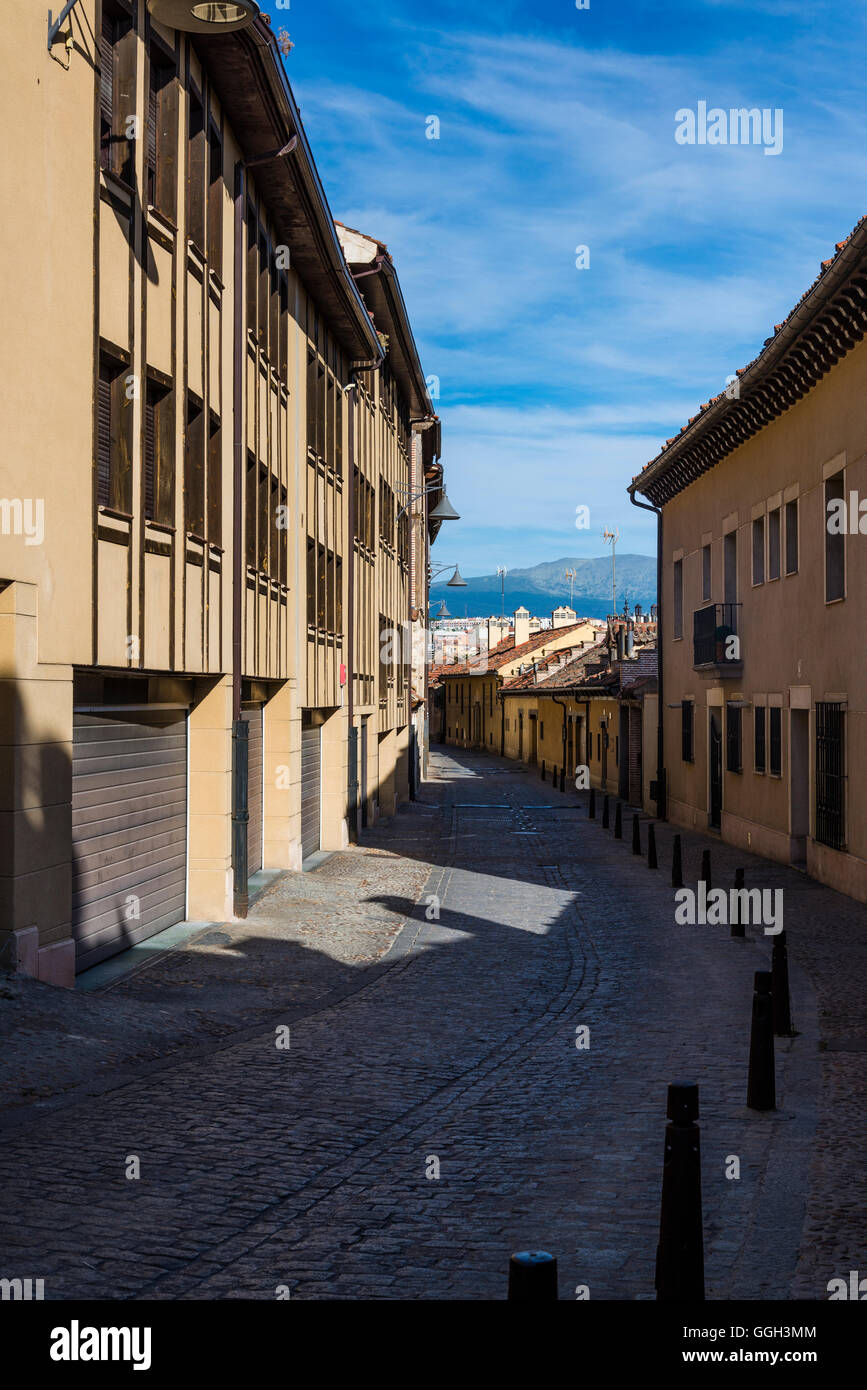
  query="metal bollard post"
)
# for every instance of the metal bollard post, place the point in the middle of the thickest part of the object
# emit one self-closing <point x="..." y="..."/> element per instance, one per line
<point x="651" y="847"/>
<point x="704" y="876"/>
<point x="676" y="866"/>
<point x="780" y="987"/>
<point x="636" y="835"/>
<point x="761" y="1093"/>
<point x="563" y="778"/>
<point x="738" y="928"/>
<point x="605" y="820"/>
<point x="543" y="769"/>
<point x="618" y="822"/>
<point x="532" y="1277"/>
<point x="592" y="815"/>
<point x="680" y="1254"/>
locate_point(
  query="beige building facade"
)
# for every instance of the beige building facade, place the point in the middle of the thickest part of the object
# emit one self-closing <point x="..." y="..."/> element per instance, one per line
<point x="764" y="587"/>
<point x="209" y="441"/>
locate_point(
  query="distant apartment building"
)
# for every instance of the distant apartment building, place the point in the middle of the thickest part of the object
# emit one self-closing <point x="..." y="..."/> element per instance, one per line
<point x="762" y="540"/>
<point x="216" y="418"/>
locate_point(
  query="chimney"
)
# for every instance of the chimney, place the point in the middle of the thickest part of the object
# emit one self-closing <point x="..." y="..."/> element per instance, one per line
<point x="563" y="617"/>
<point x="496" y="631"/>
<point x="630" y="642"/>
<point x="522" y="626"/>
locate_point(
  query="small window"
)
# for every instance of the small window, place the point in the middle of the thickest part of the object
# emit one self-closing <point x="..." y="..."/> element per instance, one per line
<point x="215" y="482"/>
<point x="159" y="454"/>
<point x="759" y="550"/>
<point x="792" y="537"/>
<point x="678" y="598"/>
<point x="835" y="540"/>
<point x="705" y="573"/>
<point x="215" y="201"/>
<point x="196" y="173"/>
<point x="759" y="737"/>
<point x="161" y="156"/>
<point x="774" y="544"/>
<point x="114" y="437"/>
<point x="194" y="468"/>
<point x="775" y="720"/>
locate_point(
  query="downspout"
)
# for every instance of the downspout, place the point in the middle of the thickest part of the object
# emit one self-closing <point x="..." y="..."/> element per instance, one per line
<point x="502" y="699"/>
<point x="661" y="788"/>
<point x="240" y="731"/>
<point x="558" y="701"/>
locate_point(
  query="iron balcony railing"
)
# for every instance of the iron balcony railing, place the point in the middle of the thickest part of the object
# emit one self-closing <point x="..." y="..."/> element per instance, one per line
<point x="712" y="627"/>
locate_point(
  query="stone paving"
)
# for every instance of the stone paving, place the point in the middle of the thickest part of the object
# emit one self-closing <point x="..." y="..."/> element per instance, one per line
<point x="450" y="1049"/>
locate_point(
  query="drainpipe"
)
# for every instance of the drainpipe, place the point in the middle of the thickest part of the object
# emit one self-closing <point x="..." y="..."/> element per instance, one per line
<point x="661" y="788"/>
<point x="240" y="730"/>
<point x="502" y="701"/>
<point x="558" y="701"/>
<point x="351" y="395"/>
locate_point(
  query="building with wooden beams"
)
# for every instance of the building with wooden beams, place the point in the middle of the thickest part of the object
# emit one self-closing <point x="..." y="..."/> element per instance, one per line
<point x="764" y="581"/>
<point x="209" y="437"/>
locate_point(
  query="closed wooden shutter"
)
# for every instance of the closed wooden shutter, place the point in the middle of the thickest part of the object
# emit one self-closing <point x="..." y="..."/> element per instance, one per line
<point x="253" y="719"/>
<point x="103" y="490"/>
<point x="129" y="819"/>
<point x="149" y="456"/>
<point x="106" y="89"/>
<point x="311" y="782"/>
<point x="153" y="122"/>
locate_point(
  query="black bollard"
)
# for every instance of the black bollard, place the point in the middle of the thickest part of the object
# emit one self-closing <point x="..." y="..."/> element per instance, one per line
<point x="651" y="847"/>
<point x="636" y="835"/>
<point x="592" y="803"/>
<point x="679" y="1254"/>
<point x="605" y="820"/>
<point x="543" y="769"/>
<point x="704" y="876"/>
<point x="563" y="778"/>
<point x="618" y="822"/>
<point x="738" y="927"/>
<point x="533" y="1277"/>
<point x="676" y="867"/>
<point x="761" y="1094"/>
<point x="780" y="987"/>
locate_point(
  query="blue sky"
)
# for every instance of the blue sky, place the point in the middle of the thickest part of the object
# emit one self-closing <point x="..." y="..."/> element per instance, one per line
<point x="557" y="130"/>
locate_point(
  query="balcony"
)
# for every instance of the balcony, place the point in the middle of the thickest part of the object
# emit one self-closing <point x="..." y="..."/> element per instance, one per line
<point x="716" y="640"/>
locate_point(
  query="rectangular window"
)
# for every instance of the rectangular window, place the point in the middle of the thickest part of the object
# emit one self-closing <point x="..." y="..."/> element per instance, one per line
<point x="196" y="174"/>
<point x="283" y="534"/>
<point x="774" y="544"/>
<point x="678" y="599"/>
<point x="686" y="729"/>
<point x="730" y="567"/>
<point x="835" y="544"/>
<point x="117" y="51"/>
<point x="114" y="438"/>
<point x="250" y="512"/>
<point x="215" y="201"/>
<point x="284" y="330"/>
<point x="252" y="268"/>
<point x="194" y="469"/>
<point x="159" y="454"/>
<point x="161" y="158"/>
<point x="338" y="431"/>
<point x="215" y="482"/>
<point x="830" y="775"/>
<point x="321" y="589"/>
<point x="264" y="528"/>
<point x="734" y="747"/>
<point x="311" y="582"/>
<point x="264" y="293"/>
<point x="759" y="550"/>
<point x="792" y="537"/>
<point x="338" y="595"/>
<point x="705" y="573"/>
<point x="274" y="312"/>
<point x="775" y="721"/>
<point x="759" y="738"/>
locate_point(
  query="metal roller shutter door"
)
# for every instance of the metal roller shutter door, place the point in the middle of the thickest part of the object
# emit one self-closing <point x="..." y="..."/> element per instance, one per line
<point x="129" y="830"/>
<point x="253" y="718"/>
<point x="311" y="777"/>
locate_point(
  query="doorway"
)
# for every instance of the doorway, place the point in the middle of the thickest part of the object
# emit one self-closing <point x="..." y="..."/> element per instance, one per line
<point x="715" y="761"/>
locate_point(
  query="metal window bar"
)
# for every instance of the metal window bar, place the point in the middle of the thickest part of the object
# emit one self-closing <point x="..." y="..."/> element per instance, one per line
<point x="829" y="774"/>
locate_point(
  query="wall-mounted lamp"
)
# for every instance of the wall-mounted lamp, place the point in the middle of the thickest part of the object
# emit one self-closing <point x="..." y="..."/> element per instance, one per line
<point x="204" y="16"/>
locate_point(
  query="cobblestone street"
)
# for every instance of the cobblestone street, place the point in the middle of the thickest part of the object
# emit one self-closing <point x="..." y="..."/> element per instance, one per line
<point x="454" y="1040"/>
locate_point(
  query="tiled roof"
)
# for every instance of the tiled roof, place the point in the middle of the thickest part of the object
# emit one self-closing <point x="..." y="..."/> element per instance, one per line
<point x="506" y="651"/>
<point x="849" y="257"/>
<point x="585" y="671"/>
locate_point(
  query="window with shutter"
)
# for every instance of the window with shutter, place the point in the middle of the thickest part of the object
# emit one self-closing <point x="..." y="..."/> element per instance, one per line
<point x="103" y="489"/>
<point x="106" y="88"/>
<point x="149" y="455"/>
<point x="759" y="738"/>
<point x="215" y="483"/>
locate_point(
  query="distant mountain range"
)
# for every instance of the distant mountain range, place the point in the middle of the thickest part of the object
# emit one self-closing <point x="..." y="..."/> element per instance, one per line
<point x="545" y="587"/>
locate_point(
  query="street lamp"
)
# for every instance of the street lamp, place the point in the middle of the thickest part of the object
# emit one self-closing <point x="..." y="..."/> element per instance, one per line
<point x="204" y="16"/>
<point x="443" y="511"/>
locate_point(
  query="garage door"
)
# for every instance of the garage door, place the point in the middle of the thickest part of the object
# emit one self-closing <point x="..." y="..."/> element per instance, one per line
<point x="129" y="829"/>
<point x="253" y="719"/>
<point x="311" y="781"/>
